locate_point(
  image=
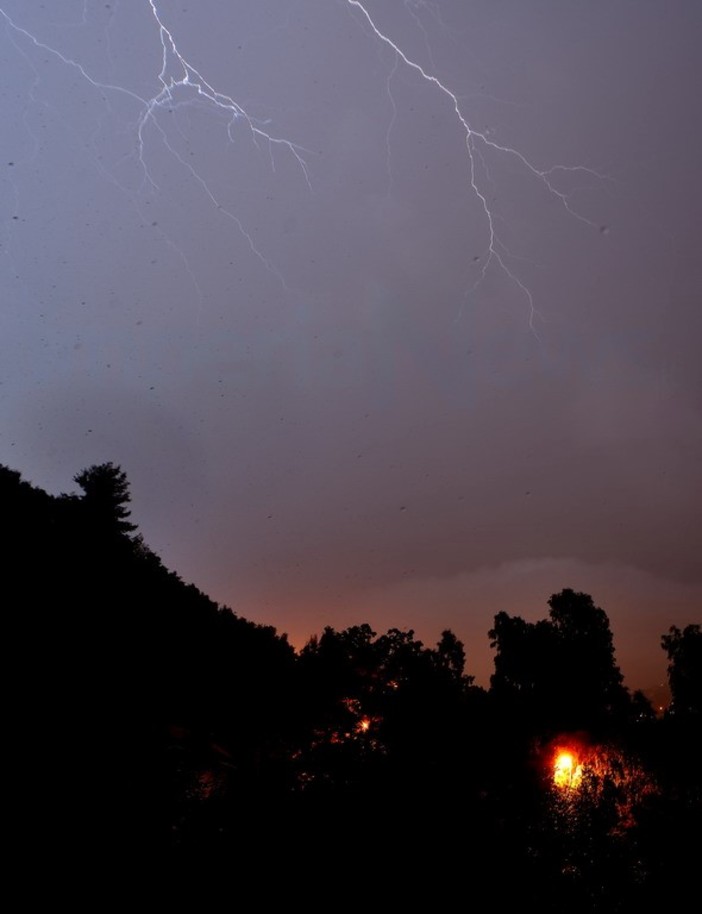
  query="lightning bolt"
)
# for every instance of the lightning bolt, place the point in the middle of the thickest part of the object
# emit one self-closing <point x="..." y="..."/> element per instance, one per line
<point x="476" y="142"/>
<point x="180" y="83"/>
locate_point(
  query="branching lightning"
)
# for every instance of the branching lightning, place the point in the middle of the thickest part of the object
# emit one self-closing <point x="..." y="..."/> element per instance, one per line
<point x="180" y="83"/>
<point x="177" y="77"/>
<point x="473" y="139"/>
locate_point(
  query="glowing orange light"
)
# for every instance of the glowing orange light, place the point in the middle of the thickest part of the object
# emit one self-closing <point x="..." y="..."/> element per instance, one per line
<point x="364" y="724"/>
<point x="567" y="770"/>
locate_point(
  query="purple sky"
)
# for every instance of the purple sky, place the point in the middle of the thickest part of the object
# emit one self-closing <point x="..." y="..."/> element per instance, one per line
<point x="345" y="384"/>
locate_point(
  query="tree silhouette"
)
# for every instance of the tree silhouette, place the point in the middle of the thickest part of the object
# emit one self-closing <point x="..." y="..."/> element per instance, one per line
<point x="451" y="656"/>
<point x="684" y="649"/>
<point x="587" y="668"/>
<point x="561" y="672"/>
<point x="106" y="496"/>
<point x="145" y="711"/>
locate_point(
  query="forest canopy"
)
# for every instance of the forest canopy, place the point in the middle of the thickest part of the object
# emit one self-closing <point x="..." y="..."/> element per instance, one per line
<point x="193" y="726"/>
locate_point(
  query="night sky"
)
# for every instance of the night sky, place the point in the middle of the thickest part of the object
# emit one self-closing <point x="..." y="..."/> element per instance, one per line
<point x="390" y="313"/>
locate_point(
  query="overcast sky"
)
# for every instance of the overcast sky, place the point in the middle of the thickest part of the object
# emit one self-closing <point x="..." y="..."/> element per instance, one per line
<point x="241" y="256"/>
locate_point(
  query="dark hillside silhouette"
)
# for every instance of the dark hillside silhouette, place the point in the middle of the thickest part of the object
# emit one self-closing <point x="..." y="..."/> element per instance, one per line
<point x="138" y="670"/>
<point x="146" y="715"/>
